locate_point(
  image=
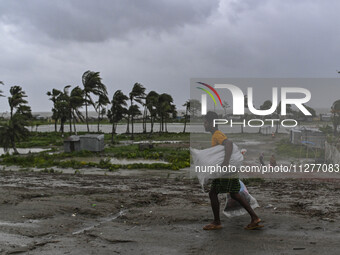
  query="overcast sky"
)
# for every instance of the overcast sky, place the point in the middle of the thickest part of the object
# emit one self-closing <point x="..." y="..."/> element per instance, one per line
<point x="162" y="44"/>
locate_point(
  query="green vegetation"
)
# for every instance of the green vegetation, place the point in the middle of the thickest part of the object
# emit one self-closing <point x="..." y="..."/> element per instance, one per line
<point x="44" y="160"/>
<point x="287" y="149"/>
<point x="176" y="157"/>
<point x="41" y="140"/>
<point x="55" y="140"/>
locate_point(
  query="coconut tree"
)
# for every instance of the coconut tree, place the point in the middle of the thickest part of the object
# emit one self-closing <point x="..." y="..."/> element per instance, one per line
<point x="195" y="106"/>
<point x="117" y="111"/>
<point x="165" y="107"/>
<point x="277" y="114"/>
<point x="16" y="100"/>
<point x="245" y="116"/>
<point x="265" y="106"/>
<point x="1" y="95"/>
<point x="335" y="110"/>
<point x="54" y="94"/>
<point x="151" y="102"/>
<point x="76" y="101"/>
<point x="103" y="100"/>
<point x="187" y="107"/>
<point x="93" y="85"/>
<point x="63" y="108"/>
<point x="137" y="94"/>
<point x="15" y="130"/>
<point x="133" y="111"/>
<point x="225" y="107"/>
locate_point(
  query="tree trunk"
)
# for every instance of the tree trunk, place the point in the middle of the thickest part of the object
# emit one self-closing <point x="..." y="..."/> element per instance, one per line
<point x="128" y="125"/>
<point x="74" y="126"/>
<point x="152" y="121"/>
<point x="14" y="147"/>
<point x="98" y="119"/>
<point x="277" y="125"/>
<point x="62" y="127"/>
<point x="70" y="122"/>
<point x="87" y="117"/>
<point x="335" y="125"/>
<point x="185" y="119"/>
<point x="55" y="125"/>
<point x="112" y="131"/>
<point x="161" y="124"/>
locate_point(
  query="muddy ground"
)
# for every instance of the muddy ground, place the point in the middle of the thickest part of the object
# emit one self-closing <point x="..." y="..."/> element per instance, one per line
<point x="160" y="212"/>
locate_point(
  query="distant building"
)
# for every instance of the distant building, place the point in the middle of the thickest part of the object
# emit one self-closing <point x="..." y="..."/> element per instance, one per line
<point x="39" y="117"/>
<point x="308" y="136"/>
<point x="89" y="142"/>
<point x="326" y="117"/>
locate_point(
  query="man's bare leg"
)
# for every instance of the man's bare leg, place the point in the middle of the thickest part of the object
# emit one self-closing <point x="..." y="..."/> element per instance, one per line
<point x="254" y="218"/>
<point x="215" y="206"/>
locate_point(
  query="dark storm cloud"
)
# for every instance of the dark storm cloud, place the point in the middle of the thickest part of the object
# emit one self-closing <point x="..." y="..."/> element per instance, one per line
<point x="162" y="44"/>
<point x="95" y="21"/>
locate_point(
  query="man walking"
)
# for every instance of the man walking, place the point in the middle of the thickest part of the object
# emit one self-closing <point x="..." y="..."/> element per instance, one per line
<point x="225" y="185"/>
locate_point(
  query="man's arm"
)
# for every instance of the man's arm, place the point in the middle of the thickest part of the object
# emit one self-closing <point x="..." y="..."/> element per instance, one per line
<point x="228" y="146"/>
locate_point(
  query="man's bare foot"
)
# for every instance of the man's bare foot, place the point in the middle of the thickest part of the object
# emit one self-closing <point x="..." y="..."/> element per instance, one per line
<point x="213" y="226"/>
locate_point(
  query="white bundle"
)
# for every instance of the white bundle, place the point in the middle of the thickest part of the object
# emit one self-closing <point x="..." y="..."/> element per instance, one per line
<point x="208" y="159"/>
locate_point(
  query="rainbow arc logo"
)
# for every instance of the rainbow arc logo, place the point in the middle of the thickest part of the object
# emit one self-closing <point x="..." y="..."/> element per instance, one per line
<point x="209" y="93"/>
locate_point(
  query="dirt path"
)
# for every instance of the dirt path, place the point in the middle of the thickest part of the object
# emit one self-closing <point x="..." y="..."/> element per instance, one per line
<point x="159" y="214"/>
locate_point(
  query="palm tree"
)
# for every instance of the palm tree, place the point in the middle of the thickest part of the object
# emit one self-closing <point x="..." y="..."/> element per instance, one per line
<point x="15" y="130"/>
<point x="92" y="85"/>
<point x="133" y="111"/>
<point x="245" y="116"/>
<point x="187" y="107"/>
<point x="195" y="106"/>
<point x="76" y="101"/>
<point x="278" y="114"/>
<point x="117" y="111"/>
<point x="137" y="94"/>
<point x="225" y="106"/>
<point x="63" y="108"/>
<point x="16" y="99"/>
<point x="265" y="106"/>
<point x="103" y="100"/>
<point x="1" y="95"/>
<point x="164" y="108"/>
<point x="54" y="94"/>
<point x="151" y="102"/>
<point x="335" y="110"/>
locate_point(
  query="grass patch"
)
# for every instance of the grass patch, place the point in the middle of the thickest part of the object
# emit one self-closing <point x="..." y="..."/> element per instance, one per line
<point x="176" y="159"/>
<point x="285" y="148"/>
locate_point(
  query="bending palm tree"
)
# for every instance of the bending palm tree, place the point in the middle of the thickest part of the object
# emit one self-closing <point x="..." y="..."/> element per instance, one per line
<point x="92" y="85"/>
<point x="151" y="102"/>
<point x="15" y="130"/>
<point x="1" y="95"/>
<point x="117" y="111"/>
<point x="164" y="108"/>
<point x="187" y="107"/>
<point x="54" y="94"/>
<point x="76" y="102"/>
<point x="103" y="100"/>
<point x="137" y="94"/>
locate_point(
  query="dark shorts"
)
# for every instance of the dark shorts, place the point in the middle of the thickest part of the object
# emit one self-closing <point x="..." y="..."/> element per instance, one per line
<point x="225" y="185"/>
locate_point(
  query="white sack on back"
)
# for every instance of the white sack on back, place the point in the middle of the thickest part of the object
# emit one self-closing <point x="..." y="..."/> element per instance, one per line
<point x="211" y="157"/>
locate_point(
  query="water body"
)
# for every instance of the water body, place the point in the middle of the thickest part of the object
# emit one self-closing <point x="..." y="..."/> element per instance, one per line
<point x="23" y="150"/>
<point x="172" y="127"/>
